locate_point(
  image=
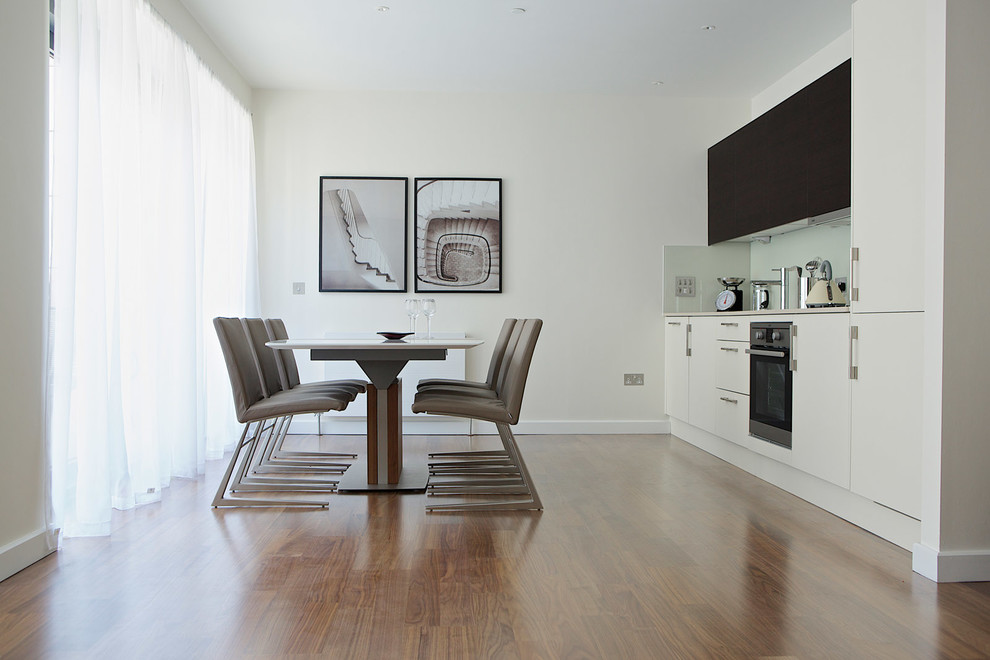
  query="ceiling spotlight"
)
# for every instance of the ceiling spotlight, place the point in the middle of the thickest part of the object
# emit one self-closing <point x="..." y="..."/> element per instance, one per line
<point x="658" y="83"/>
<point x="518" y="10"/>
<point x="707" y="28"/>
<point x="382" y="9"/>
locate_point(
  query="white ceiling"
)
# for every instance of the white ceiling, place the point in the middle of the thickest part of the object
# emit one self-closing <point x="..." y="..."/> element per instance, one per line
<point x="571" y="46"/>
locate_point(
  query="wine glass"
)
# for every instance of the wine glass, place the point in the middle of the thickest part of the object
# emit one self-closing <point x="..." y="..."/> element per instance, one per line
<point x="412" y="309"/>
<point x="429" y="309"/>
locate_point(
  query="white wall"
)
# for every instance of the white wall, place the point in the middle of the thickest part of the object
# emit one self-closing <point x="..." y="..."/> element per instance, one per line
<point x="593" y="188"/>
<point x="176" y="15"/>
<point x="965" y="453"/>
<point x="803" y="74"/>
<point x="23" y="190"/>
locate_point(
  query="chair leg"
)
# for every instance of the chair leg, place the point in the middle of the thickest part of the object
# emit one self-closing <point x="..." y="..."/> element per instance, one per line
<point x="269" y="462"/>
<point x="279" y="453"/>
<point x="222" y="500"/>
<point x="249" y="479"/>
<point x="526" y="486"/>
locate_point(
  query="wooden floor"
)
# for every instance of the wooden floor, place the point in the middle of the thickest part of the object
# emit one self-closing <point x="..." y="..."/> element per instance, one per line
<point x="648" y="548"/>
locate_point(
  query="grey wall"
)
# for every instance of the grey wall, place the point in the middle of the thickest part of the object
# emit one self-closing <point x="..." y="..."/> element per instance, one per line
<point x="23" y="204"/>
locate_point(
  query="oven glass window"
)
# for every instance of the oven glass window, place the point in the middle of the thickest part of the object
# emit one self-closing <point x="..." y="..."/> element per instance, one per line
<point x="770" y="392"/>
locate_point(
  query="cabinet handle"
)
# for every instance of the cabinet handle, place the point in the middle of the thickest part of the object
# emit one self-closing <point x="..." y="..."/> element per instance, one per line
<point x="853" y="337"/>
<point x="794" y="333"/>
<point x="729" y="325"/>
<point x="728" y="400"/>
<point x="723" y="348"/>
<point x="853" y="275"/>
<point x="673" y="322"/>
<point x="687" y="341"/>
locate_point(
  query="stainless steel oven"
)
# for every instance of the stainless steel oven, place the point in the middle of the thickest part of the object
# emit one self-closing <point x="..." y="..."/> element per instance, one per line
<point x="770" y="382"/>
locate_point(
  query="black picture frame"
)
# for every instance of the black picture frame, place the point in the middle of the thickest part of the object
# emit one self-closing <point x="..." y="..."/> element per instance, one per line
<point x="364" y="236"/>
<point x="458" y="235"/>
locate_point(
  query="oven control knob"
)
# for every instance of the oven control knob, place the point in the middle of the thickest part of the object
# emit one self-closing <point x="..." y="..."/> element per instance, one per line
<point x="758" y="334"/>
<point x="775" y="336"/>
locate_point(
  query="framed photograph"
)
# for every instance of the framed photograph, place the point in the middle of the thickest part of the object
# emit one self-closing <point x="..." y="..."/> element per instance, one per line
<point x="363" y="235"/>
<point x="458" y="235"/>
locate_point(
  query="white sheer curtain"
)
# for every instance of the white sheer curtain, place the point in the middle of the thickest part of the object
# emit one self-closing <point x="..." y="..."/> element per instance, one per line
<point x="153" y="234"/>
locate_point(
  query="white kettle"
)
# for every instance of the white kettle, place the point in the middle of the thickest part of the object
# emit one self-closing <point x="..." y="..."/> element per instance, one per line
<point x="825" y="292"/>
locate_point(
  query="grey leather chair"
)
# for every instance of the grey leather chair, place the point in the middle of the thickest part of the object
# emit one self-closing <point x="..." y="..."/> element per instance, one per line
<point x="272" y="457"/>
<point x="465" y="463"/>
<point x="494" y="368"/>
<point x="254" y="409"/>
<point x="508" y="477"/>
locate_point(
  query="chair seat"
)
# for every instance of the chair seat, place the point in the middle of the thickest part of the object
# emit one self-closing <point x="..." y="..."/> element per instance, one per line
<point x="460" y="405"/>
<point x="292" y="403"/>
<point x="327" y="387"/>
<point x="455" y="390"/>
<point x="432" y="383"/>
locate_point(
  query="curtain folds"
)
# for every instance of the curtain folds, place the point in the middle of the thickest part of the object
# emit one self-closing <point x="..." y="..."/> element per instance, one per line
<point x="153" y="234"/>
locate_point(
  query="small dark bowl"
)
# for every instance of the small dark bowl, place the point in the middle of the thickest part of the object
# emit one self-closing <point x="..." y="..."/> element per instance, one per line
<point x="394" y="336"/>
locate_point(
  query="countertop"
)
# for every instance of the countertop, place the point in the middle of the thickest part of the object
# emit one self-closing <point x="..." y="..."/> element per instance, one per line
<point x="766" y="312"/>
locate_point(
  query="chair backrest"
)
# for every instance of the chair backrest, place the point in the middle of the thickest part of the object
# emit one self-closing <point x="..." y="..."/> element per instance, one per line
<point x="289" y="372"/>
<point x="264" y="358"/>
<point x="245" y="384"/>
<point x="510" y="347"/>
<point x="283" y="376"/>
<point x="517" y="371"/>
<point x="498" y="353"/>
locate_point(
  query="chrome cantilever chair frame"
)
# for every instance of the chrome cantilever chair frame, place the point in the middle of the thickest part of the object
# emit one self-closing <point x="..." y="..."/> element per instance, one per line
<point x="489" y="473"/>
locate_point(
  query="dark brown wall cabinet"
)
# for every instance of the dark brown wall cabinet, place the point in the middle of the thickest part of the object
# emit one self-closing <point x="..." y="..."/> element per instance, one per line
<point x="792" y="162"/>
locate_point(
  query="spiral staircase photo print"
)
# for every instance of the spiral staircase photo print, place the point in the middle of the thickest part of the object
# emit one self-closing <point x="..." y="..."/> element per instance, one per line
<point x="458" y="235"/>
<point x="363" y="233"/>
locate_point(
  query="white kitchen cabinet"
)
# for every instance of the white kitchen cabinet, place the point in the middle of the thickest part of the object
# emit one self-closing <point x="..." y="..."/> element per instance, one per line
<point x="886" y="409"/>
<point x="732" y="416"/>
<point x="820" y="422"/>
<point x="703" y="361"/>
<point x="888" y="202"/>
<point x="732" y="367"/>
<point x="676" y="374"/>
<point x="733" y="328"/>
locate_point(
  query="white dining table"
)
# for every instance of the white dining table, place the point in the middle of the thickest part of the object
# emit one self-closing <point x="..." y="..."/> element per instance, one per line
<point x="382" y="361"/>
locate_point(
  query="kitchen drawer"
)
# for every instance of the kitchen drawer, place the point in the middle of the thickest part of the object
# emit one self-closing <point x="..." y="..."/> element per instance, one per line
<point x="734" y="329"/>
<point x="732" y="417"/>
<point x="732" y="367"/>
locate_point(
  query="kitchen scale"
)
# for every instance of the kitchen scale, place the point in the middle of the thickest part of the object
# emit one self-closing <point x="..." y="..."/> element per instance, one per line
<point x="729" y="300"/>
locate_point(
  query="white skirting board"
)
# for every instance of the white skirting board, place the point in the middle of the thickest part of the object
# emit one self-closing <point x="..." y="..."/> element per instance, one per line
<point x="331" y="424"/>
<point x="951" y="566"/>
<point x="886" y="523"/>
<point x="580" y="427"/>
<point x="436" y="425"/>
<point x="18" y="555"/>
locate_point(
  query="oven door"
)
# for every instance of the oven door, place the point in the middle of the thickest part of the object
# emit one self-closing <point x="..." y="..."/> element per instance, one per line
<point x="770" y="400"/>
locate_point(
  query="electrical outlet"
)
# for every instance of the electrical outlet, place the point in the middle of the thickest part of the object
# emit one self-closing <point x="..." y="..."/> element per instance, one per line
<point x="298" y="288"/>
<point x="632" y="379"/>
<point x="684" y="286"/>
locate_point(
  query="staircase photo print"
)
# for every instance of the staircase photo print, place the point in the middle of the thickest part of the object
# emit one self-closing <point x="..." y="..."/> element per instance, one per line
<point x="363" y="233"/>
<point x="459" y="235"/>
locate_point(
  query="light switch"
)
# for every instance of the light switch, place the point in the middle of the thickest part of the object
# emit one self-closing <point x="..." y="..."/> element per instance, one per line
<point x="298" y="288"/>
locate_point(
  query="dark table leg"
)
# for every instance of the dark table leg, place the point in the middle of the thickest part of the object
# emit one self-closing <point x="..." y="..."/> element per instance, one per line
<point x="384" y="434"/>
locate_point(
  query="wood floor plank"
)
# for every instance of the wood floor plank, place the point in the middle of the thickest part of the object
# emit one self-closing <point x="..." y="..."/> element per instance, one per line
<point x="647" y="548"/>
